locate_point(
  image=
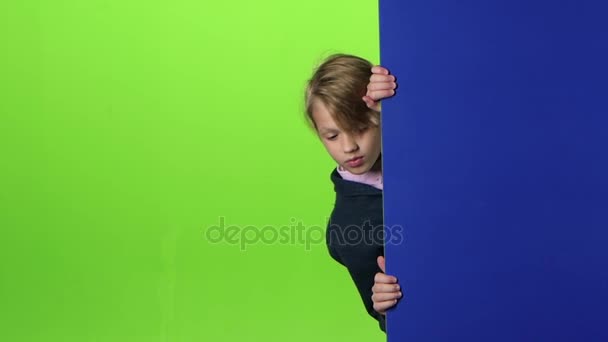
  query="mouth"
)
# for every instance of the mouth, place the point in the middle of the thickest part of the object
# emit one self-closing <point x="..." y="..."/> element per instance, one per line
<point x="355" y="162"/>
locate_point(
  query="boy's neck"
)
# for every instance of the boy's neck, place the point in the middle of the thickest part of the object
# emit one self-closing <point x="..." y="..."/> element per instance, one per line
<point x="377" y="165"/>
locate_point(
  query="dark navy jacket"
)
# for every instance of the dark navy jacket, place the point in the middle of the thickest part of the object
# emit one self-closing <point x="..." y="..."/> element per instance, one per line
<point x="355" y="235"/>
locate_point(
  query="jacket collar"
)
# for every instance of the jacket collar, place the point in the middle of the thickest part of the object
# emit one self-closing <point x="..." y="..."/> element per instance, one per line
<point x="349" y="188"/>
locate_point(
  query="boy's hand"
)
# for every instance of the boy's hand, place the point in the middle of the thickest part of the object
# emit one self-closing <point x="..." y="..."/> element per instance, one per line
<point x="381" y="85"/>
<point x="386" y="291"/>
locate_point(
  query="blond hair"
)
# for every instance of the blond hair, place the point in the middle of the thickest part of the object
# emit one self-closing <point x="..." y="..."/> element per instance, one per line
<point x="339" y="83"/>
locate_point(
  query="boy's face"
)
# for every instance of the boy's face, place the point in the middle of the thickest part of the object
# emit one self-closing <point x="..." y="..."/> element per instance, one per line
<point x="356" y="152"/>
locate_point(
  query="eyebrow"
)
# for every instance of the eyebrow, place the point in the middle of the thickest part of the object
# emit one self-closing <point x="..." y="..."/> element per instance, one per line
<point x="324" y="130"/>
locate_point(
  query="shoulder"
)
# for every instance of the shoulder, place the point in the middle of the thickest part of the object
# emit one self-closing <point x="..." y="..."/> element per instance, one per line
<point x="334" y="175"/>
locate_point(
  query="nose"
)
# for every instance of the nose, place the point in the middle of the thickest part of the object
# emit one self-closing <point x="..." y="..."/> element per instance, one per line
<point x="349" y="144"/>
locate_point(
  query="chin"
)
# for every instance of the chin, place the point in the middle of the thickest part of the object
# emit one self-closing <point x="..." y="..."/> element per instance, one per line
<point x="358" y="170"/>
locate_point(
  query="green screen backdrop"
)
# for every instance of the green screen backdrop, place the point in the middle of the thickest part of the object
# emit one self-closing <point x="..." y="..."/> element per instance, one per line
<point x="158" y="180"/>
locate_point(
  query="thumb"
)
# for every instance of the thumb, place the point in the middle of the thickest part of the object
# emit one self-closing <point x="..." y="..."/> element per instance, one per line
<point x="371" y="104"/>
<point x="382" y="263"/>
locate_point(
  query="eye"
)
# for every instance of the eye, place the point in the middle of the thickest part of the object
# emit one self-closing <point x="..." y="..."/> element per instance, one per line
<point x="332" y="137"/>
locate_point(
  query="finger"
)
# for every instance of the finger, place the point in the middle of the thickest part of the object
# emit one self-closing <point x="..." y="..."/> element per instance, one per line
<point x="383" y="297"/>
<point x="368" y="101"/>
<point x="381" y="307"/>
<point x="380" y="94"/>
<point x="371" y="104"/>
<point x="385" y="288"/>
<point x="381" y="263"/>
<point x="381" y="85"/>
<point x="381" y="78"/>
<point x="384" y="279"/>
<point x="377" y="69"/>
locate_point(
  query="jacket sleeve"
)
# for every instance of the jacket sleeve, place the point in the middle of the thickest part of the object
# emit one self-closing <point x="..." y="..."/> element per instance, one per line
<point x="360" y="259"/>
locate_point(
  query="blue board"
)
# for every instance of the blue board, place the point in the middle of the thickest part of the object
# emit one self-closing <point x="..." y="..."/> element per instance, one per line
<point x="496" y="164"/>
